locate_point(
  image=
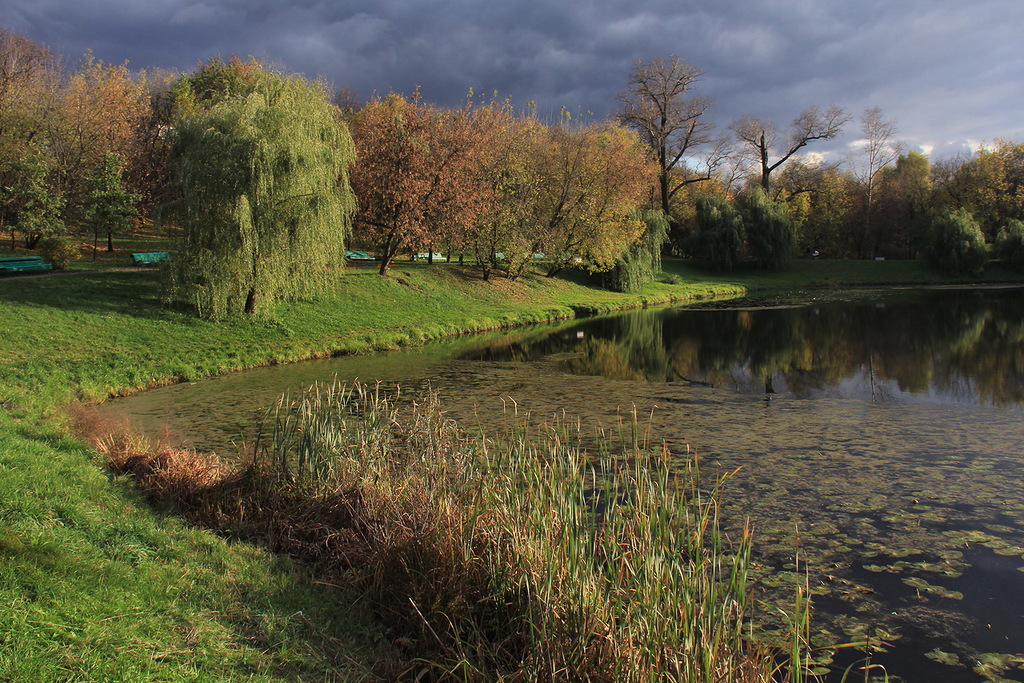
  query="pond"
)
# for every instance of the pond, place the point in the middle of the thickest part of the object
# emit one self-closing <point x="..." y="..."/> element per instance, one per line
<point x="878" y="436"/>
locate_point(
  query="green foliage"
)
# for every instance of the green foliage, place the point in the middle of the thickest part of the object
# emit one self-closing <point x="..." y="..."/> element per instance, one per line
<point x="264" y="201"/>
<point x="718" y="234"/>
<point x="957" y="245"/>
<point x="904" y="204"/>
<point x="990" y="185"/>
<point x="769" y="231"/>
<point x="59" y="251"/>
<point x="1009" y="246"/>
<point x="642" y="259"/>
<point x="109" y="208"/>
<point x="35" y="207"/>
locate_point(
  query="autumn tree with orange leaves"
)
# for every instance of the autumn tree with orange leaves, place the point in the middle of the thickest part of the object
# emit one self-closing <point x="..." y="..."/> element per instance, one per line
<point x="417" y="175"/>
<point x="95" y="114"/>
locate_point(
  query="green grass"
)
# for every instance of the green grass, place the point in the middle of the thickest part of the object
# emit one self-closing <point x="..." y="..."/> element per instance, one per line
<point x="95" y="585"/>
<point x="90" y="335"/>
<point x="810" y="274"/>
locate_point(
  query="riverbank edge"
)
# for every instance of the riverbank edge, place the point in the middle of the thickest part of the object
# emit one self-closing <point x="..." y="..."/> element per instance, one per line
<point x="37" y="449"/>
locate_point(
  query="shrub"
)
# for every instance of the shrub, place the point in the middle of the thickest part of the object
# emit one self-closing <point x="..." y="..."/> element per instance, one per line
<point x="1010" y="245"/>
<point x="956" y="244"/>
<point x="59" y="251"/>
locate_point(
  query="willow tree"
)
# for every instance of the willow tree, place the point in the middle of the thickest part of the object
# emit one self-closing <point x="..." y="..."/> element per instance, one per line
<point x="263" y="202"/>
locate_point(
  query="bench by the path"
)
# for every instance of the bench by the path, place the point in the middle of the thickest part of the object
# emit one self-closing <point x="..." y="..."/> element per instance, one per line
<point x="23" y="264"/>
<point x="358" y="256"/>
<point x="150" y="257"/>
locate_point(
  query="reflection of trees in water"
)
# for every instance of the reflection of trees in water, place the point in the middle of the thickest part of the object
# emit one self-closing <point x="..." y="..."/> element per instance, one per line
<point x="961" y="342"/>
<point x="631" y="348"/>
<point x="988" y="355"/>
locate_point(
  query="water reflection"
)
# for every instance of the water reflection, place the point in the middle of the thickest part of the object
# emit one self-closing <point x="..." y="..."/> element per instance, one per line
<point x="957" y="345"/>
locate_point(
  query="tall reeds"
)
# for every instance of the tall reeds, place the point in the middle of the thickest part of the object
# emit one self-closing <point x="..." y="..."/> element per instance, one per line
<point x="525" y="557"/>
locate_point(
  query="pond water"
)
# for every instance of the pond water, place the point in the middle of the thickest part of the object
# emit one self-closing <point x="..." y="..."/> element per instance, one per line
<point x="877" y="435"/>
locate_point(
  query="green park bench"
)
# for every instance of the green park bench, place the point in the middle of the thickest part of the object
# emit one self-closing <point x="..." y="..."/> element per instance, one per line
<point x="23" y="264"/>
<point x="358" y="255"/>
<point x="150" y="257"/>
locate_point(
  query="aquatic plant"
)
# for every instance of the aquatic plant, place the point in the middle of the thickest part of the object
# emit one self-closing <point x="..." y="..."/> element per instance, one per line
<point x="527" y="557"/>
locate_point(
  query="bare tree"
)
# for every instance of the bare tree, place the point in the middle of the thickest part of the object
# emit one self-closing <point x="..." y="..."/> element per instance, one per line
<point x="762" y="140"/>
<point x="659" y="106"/>
<point x="347" y="100"/>
<point x="880" y="150"/>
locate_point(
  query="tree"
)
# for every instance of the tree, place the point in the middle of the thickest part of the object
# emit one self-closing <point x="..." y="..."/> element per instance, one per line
<point x="905" y="202"/>
<point x="828" y="227"/>
<point x="28" y="75"/>
<point x="97" y="111"/>
<point x="418" y="174"/>
<point x="109" y="208"/>
<point x="659" y="107"/>
<point x="880" y="150"/>
<point x="34" y="205"/>
<point x="145" y="172"/>
<point x="957" y="245"/>
<point x="506" y="234"/>
<point x="593" y="179"/>
<point x="762" y="140"/>
<point x="1010" y="245"/>
<point x="769" y="230"/>
<point x="261" y="172"/>
<point x="641" y="261"/>
<point x="347" y="100"/>
<point x="718" y="234"/>
<point x="990" y="185"/>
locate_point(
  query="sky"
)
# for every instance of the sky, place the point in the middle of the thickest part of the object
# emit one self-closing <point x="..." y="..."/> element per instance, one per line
<point x="949" y="73"/>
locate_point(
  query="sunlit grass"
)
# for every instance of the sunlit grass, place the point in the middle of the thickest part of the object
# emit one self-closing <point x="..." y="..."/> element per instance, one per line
<point x="95" y="586"/>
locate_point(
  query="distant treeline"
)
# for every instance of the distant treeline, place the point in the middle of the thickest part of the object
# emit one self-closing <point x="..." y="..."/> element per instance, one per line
<point x="238" y="160"/>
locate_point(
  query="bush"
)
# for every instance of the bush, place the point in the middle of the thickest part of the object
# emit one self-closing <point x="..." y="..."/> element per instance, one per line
<point x="956" y="244"/>
<point x="719" y="233"/>
<point x="60" y="252"/>
<point x="769" y="229"/>
<point x="1010" y="245"/>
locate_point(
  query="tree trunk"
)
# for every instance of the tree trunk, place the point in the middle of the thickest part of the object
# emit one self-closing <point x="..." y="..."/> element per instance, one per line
<point x="664" y="191"/>
<point x="250" y="301"/>
<point x="765" y="169"/>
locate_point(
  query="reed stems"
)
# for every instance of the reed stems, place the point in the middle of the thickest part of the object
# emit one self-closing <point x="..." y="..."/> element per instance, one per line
<point x="528" y="556"/>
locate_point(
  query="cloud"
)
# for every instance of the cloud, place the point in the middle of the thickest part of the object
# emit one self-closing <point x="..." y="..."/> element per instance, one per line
<point x="948" y="73"/>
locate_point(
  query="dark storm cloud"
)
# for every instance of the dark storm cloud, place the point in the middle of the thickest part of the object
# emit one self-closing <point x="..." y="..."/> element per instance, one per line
<point x="950" y="74"/>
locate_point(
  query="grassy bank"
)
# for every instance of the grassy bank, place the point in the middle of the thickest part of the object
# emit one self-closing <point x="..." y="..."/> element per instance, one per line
<point x="97" y="585"/>
<point x="94" y="334"/>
